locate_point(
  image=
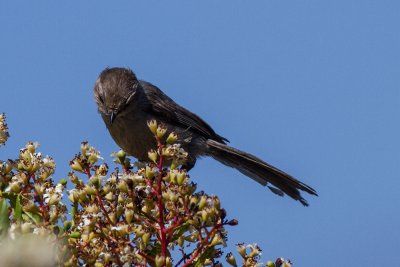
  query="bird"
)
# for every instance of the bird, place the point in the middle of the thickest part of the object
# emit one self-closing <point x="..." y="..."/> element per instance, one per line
<point x="126" y="104"/>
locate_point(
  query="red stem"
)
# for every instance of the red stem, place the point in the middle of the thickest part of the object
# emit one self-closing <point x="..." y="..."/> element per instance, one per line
<point x="43" y="207"/>
<point x="174" y="225"/>
<point x="160" y="204"/>
<point x="105" y="212"/>
<point x="98" y="198"/>
<point x="202" y="245"/>
<point x="147" y="257"/>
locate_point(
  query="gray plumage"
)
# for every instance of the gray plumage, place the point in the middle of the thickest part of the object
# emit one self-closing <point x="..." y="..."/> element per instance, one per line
<point x="126" y="104"/>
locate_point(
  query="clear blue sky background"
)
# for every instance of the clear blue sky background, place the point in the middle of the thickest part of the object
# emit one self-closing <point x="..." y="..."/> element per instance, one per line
<point x="312" y="87"/>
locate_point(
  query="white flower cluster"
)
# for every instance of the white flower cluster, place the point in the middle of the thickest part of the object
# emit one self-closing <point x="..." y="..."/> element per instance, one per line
<point x="53" y="195"/>
<point x="3" y="129"/>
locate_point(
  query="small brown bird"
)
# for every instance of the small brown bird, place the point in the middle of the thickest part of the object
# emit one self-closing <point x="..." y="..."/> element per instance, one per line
<point x="126" y="104"/>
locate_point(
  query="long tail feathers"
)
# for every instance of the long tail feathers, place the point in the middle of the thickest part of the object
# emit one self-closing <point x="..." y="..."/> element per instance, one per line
<point x="260" y="171"/>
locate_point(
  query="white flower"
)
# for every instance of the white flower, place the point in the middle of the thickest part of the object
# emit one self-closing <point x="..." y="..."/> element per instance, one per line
<point x="53" y="195"/>
<point x="59" y="188"/>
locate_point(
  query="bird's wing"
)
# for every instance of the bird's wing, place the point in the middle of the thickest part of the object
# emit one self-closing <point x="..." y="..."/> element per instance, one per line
<point x="162" y="106"/>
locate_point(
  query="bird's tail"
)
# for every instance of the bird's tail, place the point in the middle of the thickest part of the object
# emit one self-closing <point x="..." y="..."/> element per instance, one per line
<point x="260" y="171"/>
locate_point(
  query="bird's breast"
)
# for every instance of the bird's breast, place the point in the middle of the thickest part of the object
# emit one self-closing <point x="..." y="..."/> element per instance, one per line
<point x="131" y="133"/>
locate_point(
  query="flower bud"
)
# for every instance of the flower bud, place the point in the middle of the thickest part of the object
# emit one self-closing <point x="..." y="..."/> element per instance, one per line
<point x="36" y="166"/>
<point x="172" y="138"/>
<point x="146" y="238"/>
<point x="181" y="241"/>
<point x="233" y="222"/>
<point x="25" y="155"/>
<point x="73" y="196"/>
<point x="54" y="215"/>
<point x="82" y="196"/>
<point x="53" y="200"/>
<point x="241" y="249"/>
<point x="255" y="251"/>
<point x="121" y="199"/>
<point x="193" y="201"/>
<point x="109" y="196"/>
<point x="95" y="180"/>
<point x="39" y="188"/>
<point x="204" y="215"/>
<point x="231" y="259"/>
<point x="128" y="215"/>
<point x="105" y="189"/>
<point x="286" y="263"/>
<point x="121" y="155"/>
<point x="150" y="172"/>
<point x="120" y="210"/>
<point x="153" y="155"/>
<point x="161" y="130"/>
<point x="172" y="196"/>
<point x="85" y="147"/>
<point x="174" y="164"/>
<point x="180" y="178"/>
<point x="202" y="202"/>
<point x="217" y="240"/>
<point x="76" y="165"/>
<point x="172" y="175"/>
<point x="208" y="262"/>
<point x="122" y="186"/>
<point x="92" y="209"/>
<point x="7" y="167"/>
<point x="216" y="203"/>
<point x="21" y="166"/>
<point x="168" y="262"/>
<point x="152" y="124"/>
<point x="146" y="209"/>
<point x="122" y="230"/>
<point x="93" y="158"/>
<point x="31" y="147"/>
<point x="15" y="187"/>
<point x="73" y="178"/>
<point x="63" y="182"/>
<point x="112" y="217"/>
<point x="102" y="170"/>
<point x="160" y="261"/>
<point x="89" y="190"/>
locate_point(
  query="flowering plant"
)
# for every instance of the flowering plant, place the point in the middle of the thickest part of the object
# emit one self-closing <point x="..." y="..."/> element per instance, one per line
<point x="141" y="214"/>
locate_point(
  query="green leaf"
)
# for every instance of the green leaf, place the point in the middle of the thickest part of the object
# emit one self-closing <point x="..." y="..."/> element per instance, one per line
<point x="75" y="235"/>
<point x="18" y="209"/>
<point x="74" y="210"/>
<point x="4" y="217"/>
<point x="35" y="217"/>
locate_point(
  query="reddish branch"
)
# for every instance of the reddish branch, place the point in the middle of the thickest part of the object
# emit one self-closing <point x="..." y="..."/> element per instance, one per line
<point x="202" y="245"/>
<point x="160" y="204"/>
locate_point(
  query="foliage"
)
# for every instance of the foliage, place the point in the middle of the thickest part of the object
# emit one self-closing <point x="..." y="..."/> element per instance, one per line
<point x="141" y="214"/>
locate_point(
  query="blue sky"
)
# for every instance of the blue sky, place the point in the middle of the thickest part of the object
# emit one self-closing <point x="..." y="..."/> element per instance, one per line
<point x="312" y="87"/>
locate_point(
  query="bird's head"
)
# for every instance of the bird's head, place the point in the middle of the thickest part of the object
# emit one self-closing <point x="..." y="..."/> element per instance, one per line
<point x="114" y="90"/>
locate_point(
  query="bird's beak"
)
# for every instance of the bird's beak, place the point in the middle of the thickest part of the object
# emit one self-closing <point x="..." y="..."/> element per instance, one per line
<point x="113" y="115"/>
